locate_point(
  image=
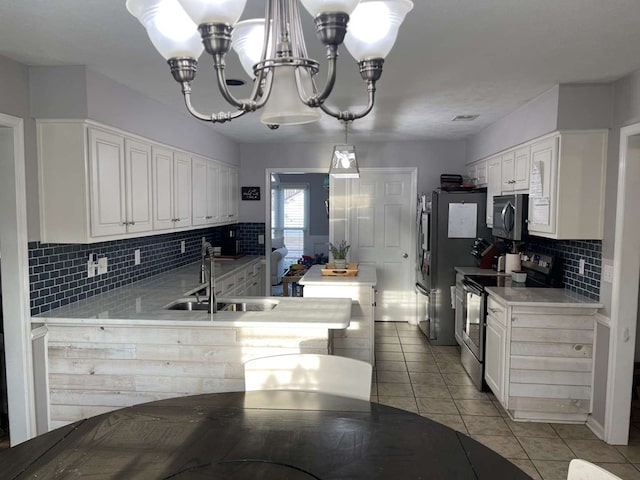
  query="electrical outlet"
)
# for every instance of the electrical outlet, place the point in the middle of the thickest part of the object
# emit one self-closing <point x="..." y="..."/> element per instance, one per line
<point x="103" y="262"/>
<point x="581" y="266"/>
<point x="260" y="239"/>
<point x="136" y="256"/>
<point x="608" y="274"/>
<point x="91" y="266"/>
<point x="182" y="246"/>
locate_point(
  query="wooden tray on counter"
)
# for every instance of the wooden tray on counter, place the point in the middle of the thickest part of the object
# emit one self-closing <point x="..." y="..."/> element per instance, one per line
<point x="330" y="270"/>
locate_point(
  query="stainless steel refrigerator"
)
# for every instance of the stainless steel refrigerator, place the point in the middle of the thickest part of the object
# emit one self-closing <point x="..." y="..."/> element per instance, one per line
<point x="447" y="225"/>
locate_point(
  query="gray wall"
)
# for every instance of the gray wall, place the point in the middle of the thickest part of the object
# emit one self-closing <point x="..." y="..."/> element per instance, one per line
<point x="14" y="100"/>
<point x="77" y="92"/>
<point x="432" y="158"/>
<point x="563" y="107"/>
<point x="535" y="118"/>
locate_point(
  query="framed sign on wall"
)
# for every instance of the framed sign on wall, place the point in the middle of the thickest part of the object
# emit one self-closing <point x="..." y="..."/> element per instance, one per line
<point x="250" y="193"/>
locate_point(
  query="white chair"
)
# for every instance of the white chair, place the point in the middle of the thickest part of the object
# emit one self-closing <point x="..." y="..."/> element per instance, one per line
<point x="583" y="470"/>
<point x="310" y="372"/>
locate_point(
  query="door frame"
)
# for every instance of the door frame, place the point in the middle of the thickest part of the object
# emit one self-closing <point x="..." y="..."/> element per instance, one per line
<point x="624" y="298"/>
<point x="15" y="294"/>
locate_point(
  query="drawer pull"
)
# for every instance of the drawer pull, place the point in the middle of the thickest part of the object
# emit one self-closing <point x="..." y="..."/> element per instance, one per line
<point x="578" y="347"/>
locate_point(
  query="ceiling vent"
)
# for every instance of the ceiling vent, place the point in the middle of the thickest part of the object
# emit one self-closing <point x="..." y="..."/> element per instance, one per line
<point x="464" y="118"/>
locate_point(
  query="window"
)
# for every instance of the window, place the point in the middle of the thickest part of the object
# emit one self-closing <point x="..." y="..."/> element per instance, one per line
<point x="289" y="218"/>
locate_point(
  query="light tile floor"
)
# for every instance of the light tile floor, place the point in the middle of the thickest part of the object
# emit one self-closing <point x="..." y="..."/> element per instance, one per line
<point x="429" y="380"/>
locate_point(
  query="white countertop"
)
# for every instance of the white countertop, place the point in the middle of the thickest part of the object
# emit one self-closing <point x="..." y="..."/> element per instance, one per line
<point x="366" y="276"/>
<point x="542" y="297"/>
<point x="143" y="302"/>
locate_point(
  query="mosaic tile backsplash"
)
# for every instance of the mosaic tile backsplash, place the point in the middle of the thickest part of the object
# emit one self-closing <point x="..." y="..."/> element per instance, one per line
<point x="570" y="252"/>
<point x="58" y="272"/>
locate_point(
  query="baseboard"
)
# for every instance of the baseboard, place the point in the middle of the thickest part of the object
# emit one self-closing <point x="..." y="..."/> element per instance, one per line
<point x="595" y="427"/>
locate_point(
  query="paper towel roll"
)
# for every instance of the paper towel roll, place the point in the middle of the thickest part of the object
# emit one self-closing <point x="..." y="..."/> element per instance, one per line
<point x="512" y="263"/>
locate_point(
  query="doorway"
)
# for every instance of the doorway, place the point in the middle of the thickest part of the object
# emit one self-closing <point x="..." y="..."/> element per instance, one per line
<point x="624" y="299"/>
<point x="15" y="293"/>
<point x="297" y="216"/>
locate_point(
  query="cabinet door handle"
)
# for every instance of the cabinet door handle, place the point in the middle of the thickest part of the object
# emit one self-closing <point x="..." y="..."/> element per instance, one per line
<point x="124" y="223"/>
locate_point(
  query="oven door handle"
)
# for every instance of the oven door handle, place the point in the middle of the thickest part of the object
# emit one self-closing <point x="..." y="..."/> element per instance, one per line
<point x="467" y="287"/>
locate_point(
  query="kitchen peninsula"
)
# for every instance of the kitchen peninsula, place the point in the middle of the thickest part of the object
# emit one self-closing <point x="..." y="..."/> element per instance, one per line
<point x="126" y="347"/>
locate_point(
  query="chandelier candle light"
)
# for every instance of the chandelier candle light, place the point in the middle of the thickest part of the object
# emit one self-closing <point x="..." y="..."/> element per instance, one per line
<point x="272" y="50"/>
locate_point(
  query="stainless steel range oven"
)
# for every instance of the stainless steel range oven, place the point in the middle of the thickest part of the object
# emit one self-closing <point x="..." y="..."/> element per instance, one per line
<point x="473" y="325"/>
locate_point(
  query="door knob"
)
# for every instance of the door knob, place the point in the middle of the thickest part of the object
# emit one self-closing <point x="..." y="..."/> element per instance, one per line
<point x="406" y="255"/>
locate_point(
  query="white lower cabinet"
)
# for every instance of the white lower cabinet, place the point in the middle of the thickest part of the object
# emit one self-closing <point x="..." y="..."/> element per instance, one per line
<point x="539" y="360"/>
<point x="495" y="348"/>
<point x="245" y="281"/>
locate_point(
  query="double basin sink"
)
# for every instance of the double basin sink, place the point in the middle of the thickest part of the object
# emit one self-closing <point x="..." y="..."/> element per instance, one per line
<point x="253" y="305"/>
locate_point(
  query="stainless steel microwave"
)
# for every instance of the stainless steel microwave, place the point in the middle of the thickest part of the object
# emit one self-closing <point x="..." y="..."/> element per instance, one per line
<point x="510" y="216"/>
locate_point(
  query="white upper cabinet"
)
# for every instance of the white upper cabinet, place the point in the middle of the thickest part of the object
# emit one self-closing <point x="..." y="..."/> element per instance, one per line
<point x="108" y="186"/>
<point x="564" y="175"/>
<point x="172" y="189"/>
<point x="204" y="182"/>
<point x="522" y="163"/>
<point x="139" y="191"/>
<point x="494" y="185"/>
<point x="477" y="172"/>
<point x="97" y="184"/>
<point x="515" y="170"/>
<point x="566" y="186"/>
<point x="228" y="194"/>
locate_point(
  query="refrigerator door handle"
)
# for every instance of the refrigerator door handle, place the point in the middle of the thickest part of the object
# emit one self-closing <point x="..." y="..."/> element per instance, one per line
<point x="422" y="290"/>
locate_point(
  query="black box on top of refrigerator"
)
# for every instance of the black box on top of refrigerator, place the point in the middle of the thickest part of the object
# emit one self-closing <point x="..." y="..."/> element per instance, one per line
<point x="448" y="223"/>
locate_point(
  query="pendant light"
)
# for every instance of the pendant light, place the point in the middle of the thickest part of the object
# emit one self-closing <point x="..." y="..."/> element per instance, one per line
<point x="344" y="163"/>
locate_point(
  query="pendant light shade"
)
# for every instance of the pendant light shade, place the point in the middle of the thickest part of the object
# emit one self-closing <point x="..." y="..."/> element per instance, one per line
<point x="247" y="40"/>
<point x="344" y="163"/>
<point x="214" y="11"/>
<point x="373" y="28"/>
<point x="170" y="29"/>
<point x="284" y="106"/>
<point x="316" y="7"/>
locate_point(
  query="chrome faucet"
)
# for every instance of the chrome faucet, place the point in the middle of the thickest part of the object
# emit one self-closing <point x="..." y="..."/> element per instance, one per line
<point x="207" y="273"/>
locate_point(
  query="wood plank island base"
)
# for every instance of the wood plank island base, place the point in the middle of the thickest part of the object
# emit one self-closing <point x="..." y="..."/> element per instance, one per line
<point x="126" y="348"/>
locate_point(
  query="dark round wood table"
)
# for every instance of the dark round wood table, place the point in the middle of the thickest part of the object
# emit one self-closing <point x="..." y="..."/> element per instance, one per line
<point x="256" y="435"/>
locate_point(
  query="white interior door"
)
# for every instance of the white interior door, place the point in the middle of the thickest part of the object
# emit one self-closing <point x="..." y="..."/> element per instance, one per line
<point x="380" y="222"/>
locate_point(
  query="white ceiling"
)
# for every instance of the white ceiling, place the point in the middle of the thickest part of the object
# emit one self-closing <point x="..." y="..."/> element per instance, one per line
<point x="452" y="57"/>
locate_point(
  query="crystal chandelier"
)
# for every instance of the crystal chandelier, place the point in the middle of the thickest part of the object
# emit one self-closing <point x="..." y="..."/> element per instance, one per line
<point x="272" y="50"/>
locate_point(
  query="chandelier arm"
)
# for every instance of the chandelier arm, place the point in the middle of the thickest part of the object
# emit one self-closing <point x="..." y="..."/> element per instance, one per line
<point x="213" y="118"/>
<point x="347" y="116"/>
<point x="319" y="98"/>
<point x="219" y="65"/>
